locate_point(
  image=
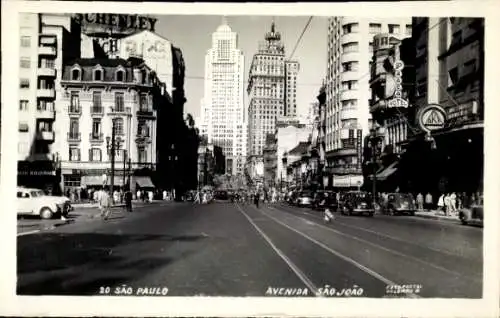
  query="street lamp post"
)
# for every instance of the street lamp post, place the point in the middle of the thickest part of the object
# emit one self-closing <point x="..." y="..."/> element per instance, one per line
<point x="124" y="167"/>
<point x="375" y="135"/>
<point x="112" y="144"/>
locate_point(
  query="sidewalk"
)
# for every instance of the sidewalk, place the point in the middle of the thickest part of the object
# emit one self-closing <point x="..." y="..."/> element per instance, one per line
<point x="96" y="205"/>
<point x="437" y="215"/>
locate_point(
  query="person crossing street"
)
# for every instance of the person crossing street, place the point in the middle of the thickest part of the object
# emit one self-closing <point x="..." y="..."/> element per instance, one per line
<point x="105" y="203"/>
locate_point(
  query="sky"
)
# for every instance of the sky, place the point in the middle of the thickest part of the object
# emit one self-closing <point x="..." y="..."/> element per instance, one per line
<point x="193" y="35"/>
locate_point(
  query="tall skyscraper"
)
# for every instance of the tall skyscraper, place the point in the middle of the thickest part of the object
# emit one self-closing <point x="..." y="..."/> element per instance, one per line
<point x="350" y="50"/>
<point x="222" y="109"/>
<point x="266" y="90"/>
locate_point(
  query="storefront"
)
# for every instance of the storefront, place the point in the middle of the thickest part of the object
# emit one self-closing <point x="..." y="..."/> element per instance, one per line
<point x="347" y="182"/>
<point x="42" y="175"/>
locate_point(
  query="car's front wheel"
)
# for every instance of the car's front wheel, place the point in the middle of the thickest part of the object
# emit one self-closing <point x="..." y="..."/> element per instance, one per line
<point x="46" y="213"/>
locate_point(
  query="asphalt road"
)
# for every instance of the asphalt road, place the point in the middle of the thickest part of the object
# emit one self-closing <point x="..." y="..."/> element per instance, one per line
<point x="224" y="249"/>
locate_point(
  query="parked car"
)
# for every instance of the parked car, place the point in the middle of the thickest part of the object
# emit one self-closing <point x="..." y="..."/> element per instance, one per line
<point x="474" y="215"/>
<point x="357" y="202"/>
<point x="399" y="203"/>
<point x="221" y="195"/>
<point x="305" y="199"/>
<point x="320" y="203"/>
<point x="36" y="202"/>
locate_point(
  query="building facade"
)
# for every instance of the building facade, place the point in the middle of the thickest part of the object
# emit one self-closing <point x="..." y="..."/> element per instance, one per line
<point x="289" y="133"/>
<point x="47" y="41"/>
<point x="97" y="96"/>
<point x="449" y="71"/>
<point x="270" y="160"/>
<point x="222" y="109"/>
<point x="348" y="93"/>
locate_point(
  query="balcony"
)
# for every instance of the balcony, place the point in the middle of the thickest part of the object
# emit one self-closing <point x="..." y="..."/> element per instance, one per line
<point x="348" y="113"/>
<point x="47" y="50"/>
<point x="349" y="57"/>
<point x="45" y="135"/>
<point x="46" y="93"/>
<point x="74" y="137"/>
<point x="145" y="112"/>
<point x="96" y="137"/>
<point x="46" y="71"/>
<point x="350" y="37"/>
<point x="120" y="111"/>
<point x="97" y="111"/>
<point x="74" y="110"/>
<point x="48" y="113"/>
<point x="349" y="94"/>
<point x="349" y="76"/>
<point x="48" y="40"/>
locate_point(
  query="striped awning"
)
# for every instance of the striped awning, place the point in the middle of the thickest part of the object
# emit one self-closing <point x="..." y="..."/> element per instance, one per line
<point x="144" y="182"/>
<point x="97" y="181"/>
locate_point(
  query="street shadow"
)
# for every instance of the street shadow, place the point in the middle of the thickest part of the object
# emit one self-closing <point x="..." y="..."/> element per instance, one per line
<point x="78" y="264"/>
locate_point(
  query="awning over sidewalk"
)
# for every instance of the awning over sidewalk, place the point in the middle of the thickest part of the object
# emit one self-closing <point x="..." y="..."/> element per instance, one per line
<point x="97" y="181"/>
<point x="387" y="172"/>
<point x="144" y="182"/>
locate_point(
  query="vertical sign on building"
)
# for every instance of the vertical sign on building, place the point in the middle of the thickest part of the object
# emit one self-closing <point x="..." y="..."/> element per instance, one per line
<point x="359" y="149"/>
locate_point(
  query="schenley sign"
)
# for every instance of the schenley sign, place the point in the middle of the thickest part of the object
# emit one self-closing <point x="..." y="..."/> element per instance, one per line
<point x="123" y="21"/>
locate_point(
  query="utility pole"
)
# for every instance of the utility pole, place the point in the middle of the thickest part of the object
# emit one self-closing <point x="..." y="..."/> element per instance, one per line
<point x="112" y="159"/>
<point x="124" y="168"/>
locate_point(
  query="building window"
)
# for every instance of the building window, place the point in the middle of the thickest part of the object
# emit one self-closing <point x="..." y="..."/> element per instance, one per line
<point x="23" y="105"/>
<point x="408" y="29"/>
<point x="452" y="76"/>
<point x="350" y="28"/>
<point x="142" y="154"/>
<point x="75" y="75"/>
<point x="119" y="102"/>
<point x="96" y="128"/>
<point x="72" y="181"/>
<point x="95" y="154"/>
<point x="74" y="127"/>
<point x="24" y="83"/>
<point x="118" y="124"/>
<point x="97" y="99"/>
<point x="350" y="103"/>
<point x="394" y="28"/>
<point x="120" y="76"/>
<point x="25" y="62"/>
<point x="143" y="103"/>
<point x="25" y="41"/>
<point x="97" y="75"/>
<point x="23" y="127"/>
<point x="350" y="47"/>
<point x="75" y="101"/>
<point x="74" y="154"/>
<point x="348" y="85"/>
<point x="375" y="28"/>
<point x="142" y="128"/>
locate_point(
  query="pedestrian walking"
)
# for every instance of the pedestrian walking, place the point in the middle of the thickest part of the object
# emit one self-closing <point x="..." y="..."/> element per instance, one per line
<point x="428" y="201"/>
<point x="150" y="196"/>
<point x="447" y="204"/>
<point x="420" y="201"/>
<point x="453" y="202"/>
<point x="128" y="200"/>
<point x="105" y="204"/>
<point x="256" y="199"/>
<point x="440" y="204"/>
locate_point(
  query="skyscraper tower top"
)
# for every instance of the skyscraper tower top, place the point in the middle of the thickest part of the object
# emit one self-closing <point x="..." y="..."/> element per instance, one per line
<point x="273" y="44"/>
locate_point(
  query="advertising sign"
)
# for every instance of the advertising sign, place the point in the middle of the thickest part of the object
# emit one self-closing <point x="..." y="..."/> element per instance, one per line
<point x="359" y="148"/>
<point x="431" y="117"/>
<point x="398" y="100"/>
<point x="116" y="21"/>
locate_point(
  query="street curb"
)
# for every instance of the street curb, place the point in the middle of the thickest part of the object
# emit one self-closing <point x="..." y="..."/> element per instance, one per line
<point x="436" y="217"/>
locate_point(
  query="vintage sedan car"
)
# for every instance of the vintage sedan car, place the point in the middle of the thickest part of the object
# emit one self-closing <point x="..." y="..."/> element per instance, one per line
<point x="325" y="199"/>
<point x="36" y="202"/>
<point x="399" y="203"/>
<point x="357" y="202"/>
<point x="305" y="199"/>
<point x="473" y="216"/>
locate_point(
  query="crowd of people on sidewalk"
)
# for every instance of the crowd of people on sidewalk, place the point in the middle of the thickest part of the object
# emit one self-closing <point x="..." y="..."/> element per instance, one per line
<point x="92" y="195"/>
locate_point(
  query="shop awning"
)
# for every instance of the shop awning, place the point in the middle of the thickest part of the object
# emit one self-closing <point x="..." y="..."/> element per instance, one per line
<point x="144" y="182"/>
<point x="97" y="181"/>
<point x="387" y="172"/>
